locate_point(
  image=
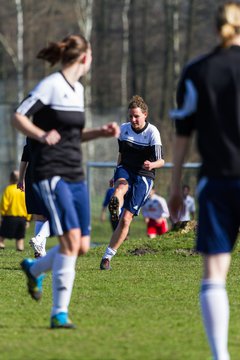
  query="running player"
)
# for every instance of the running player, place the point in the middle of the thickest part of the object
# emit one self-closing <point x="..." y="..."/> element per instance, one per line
<point x="57" y="130"/>
<point x="140" y="153"/>
<point x="208" y="102"/>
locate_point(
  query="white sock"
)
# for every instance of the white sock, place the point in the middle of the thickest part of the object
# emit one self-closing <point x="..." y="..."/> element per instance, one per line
<point x="45" y="263"/>
<point x="215" y="312"/>
<point x="109" y="253"/>
<point x="63" y="276"/>
<point x="38" y="225"/>
<point x="43" y="230"/>
<point x="44" y="241"/>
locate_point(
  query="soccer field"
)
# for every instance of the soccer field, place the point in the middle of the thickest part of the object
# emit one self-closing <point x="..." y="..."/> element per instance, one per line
<point x="147" y="307"/>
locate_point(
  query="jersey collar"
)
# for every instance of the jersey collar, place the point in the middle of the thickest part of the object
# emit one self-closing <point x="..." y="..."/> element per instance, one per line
<point x="139" y="131"/>
<point x="72" y="87"/>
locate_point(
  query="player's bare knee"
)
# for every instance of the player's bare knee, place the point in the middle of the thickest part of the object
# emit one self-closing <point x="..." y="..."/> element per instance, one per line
<point x="121" y="184"/>
<point x="70" y="241"/>
<point x="85" y="245"/>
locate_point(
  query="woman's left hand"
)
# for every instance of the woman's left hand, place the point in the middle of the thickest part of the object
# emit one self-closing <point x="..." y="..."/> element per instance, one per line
<point x="110" y="130"/>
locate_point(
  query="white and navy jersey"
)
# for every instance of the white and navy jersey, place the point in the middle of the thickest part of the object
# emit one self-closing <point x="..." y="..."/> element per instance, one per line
<point x="136" y="147"/>
<point x="55" y="104"/>
<point x="208" y="100"/>
<point x="155" y="208"/>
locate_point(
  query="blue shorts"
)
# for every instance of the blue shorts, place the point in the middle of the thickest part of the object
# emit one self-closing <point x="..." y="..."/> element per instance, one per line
<point x="65" y="204"/>
<point x="219" y="215"/>
<point x="138" y="191"/>
<point x="32" y="202"/>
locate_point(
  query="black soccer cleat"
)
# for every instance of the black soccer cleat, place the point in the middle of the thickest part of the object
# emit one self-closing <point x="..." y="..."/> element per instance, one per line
<point x="114" y="208"/>
<point x="105" y="264"/>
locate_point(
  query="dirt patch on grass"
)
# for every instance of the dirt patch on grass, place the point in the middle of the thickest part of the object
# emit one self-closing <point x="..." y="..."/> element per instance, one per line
<point x="186" y="252"/>
<point x="141" y="251"/>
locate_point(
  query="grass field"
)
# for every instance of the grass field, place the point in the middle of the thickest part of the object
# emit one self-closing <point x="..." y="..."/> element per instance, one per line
<point x="147" y="307"/>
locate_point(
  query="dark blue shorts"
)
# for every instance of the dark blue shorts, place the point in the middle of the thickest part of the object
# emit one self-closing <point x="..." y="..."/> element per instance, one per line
<point x="219" y="215"/>
<point x="138" y="191"/>
<point x="32" y="202"/>
<point x="65" y="204"/>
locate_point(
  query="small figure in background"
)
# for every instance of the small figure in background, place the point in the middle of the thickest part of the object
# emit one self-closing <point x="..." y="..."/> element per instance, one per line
<point x="189" y="208"/>
<point x="187" y="211"/>
<point x="155" y="213"/>
<point x="14" y="214"/>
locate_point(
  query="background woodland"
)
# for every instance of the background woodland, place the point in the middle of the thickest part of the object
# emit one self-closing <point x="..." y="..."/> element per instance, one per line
<point x="139" y="47"/>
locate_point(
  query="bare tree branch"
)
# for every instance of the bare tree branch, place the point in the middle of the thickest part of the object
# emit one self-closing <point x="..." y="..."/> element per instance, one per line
<point x="6" y="45"/>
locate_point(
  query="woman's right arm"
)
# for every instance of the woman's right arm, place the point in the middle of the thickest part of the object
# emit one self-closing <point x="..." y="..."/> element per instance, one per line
<point x="25" y="126"/>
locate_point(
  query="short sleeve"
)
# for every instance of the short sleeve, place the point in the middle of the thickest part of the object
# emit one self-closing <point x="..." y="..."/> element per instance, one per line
<point x="187" y="101"/>
<point x="43" y="91"/>
<point x="37" y="98"/>
<point x="155" y="137"/>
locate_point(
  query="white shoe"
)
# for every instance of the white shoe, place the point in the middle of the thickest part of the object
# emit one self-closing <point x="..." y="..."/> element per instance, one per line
<point x="38" y="247"/>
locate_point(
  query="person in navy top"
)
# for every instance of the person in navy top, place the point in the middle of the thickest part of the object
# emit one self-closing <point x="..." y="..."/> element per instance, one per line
<point x="208" y="100"/>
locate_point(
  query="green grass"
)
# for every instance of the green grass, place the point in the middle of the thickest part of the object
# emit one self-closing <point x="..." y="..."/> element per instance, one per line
<point x="146" y="308"/>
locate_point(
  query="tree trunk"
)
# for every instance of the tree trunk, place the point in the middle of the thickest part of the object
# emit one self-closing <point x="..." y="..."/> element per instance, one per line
<point x="124" y="69"/>
<point x="132" y="35"/>
<point x="176" y="47"/>
<point x="20" y="82"/>
<point x="189" y="30"/>
<point x="84" y="10"/>
<point x="167" y="62"/>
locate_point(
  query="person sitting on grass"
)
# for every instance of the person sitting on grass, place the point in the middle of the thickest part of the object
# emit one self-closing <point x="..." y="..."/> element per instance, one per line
<point x="155" y="213"/>
<point x="188" y="210"/>
<point x="140" y="153"/>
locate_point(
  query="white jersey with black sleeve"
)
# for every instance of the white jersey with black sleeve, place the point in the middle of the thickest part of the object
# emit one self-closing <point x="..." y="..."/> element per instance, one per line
<point x="136" y="147"/>
<point x="155" y="208"/>
<point x="56" y="104"/>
